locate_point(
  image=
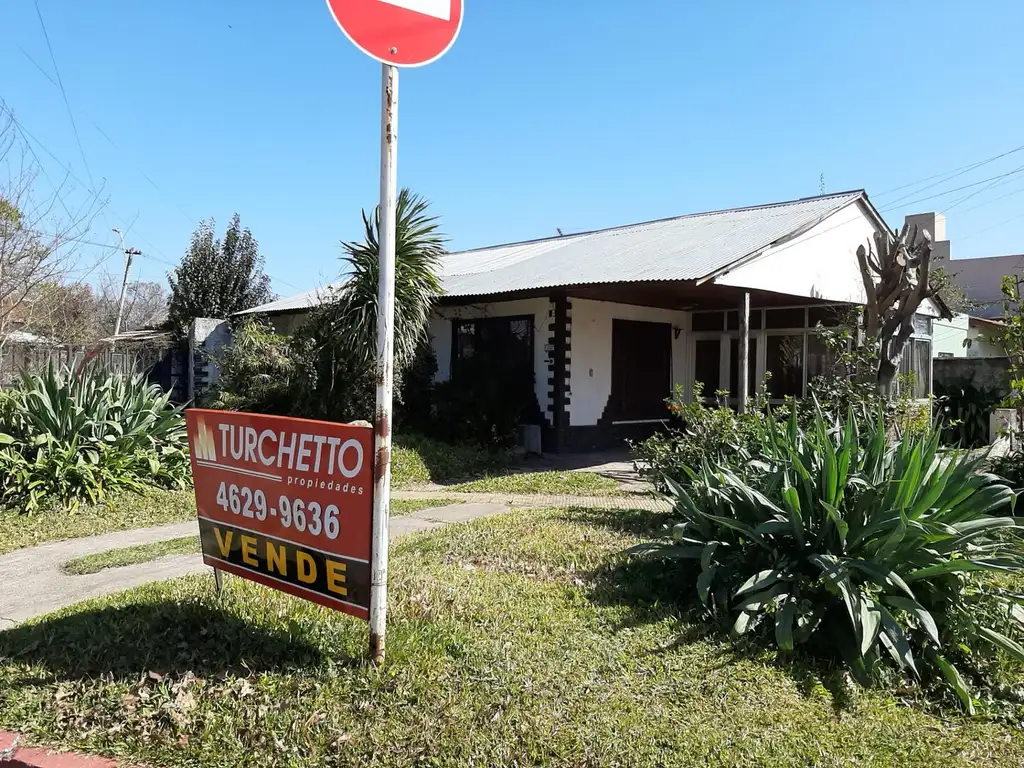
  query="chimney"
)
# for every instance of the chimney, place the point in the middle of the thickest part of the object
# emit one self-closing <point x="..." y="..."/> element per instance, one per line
<point x="935" y="223"/>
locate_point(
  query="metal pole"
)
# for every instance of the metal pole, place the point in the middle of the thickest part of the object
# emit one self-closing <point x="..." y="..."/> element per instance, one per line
<point x="742" y="380"/>
<point x="128" y="254"/>
<point x="385" y="361"/>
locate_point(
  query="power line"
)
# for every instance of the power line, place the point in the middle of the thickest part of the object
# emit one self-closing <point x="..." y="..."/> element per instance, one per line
<point x="64" y="93"/>
<point x="895" y="204"/>
<point x="952" y="174"/>
<point x="978" y="192"/>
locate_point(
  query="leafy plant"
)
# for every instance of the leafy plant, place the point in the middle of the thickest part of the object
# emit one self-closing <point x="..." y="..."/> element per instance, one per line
<point x="256" y="371"/>
<point x="847" y="540"/>
<point x="67" y="437"/>
<point x="964" y="409"/>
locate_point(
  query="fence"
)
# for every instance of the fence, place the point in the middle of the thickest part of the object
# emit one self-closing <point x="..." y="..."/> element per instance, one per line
<point x="16" y="359"/>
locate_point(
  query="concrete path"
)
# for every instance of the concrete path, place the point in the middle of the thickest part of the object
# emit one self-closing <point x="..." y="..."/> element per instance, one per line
<point x="32" y="582"/>
<point x="644" y="501"/>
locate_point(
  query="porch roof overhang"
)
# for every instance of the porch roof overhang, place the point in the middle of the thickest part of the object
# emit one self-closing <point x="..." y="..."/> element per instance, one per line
<point x="681" y="295"/>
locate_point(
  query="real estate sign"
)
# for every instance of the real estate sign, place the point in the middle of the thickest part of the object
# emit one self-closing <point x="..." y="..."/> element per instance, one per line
<point x="286" y="503"/>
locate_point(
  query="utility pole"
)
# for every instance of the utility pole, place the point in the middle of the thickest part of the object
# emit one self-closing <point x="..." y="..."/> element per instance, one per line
<point x="129" y="253"/>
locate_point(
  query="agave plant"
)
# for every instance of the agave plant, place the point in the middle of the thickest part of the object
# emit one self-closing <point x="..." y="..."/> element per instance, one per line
<point x="69" y="436"/>
<point x="845" y="540"/>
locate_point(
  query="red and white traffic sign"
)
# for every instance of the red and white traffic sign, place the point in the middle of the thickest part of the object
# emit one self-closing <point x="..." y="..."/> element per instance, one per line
<point x="405" y="33"/>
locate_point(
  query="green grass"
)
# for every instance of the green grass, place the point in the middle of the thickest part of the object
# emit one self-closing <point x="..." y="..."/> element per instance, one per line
<point x="124" y="512"/>
<point x="418" y="460"/>
<point x="141" y="553"/>
<point x="521" y="639"/>
<point x="569" y="483"/>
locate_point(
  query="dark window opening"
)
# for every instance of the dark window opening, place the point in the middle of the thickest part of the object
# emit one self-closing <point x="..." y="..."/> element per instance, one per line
<point x="641" y="370"/>
<point x="708" y="321"/>
<point x="916" y="367"/>
<point x="784" y="360"/>
<point x="708" y="366"/>
<point x="785" y="318"/>
<point x="734" y="368"/>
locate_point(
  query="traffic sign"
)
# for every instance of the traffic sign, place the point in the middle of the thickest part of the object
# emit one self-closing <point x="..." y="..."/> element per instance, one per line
<point x="405" y="33"/>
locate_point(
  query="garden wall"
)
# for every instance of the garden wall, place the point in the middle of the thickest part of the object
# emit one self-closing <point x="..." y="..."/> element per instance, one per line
<point x="982" y="372"/>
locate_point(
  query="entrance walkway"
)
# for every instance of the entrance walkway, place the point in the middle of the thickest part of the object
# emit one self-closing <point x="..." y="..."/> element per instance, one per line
<point x="35" y="584"/>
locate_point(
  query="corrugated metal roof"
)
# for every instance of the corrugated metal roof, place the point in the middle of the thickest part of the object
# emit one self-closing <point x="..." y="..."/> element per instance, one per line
<point x="690" y="247"/>
<point x="685" y="248"/>
<point x="295" y="303"/>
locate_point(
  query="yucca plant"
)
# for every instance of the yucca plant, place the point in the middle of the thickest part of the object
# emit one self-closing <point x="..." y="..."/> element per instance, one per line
<point x="845" y="541"/>
<point x="67" y="437"/>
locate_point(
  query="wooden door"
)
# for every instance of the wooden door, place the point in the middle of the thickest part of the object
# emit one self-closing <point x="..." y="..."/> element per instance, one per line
<point x="641" y="370"/>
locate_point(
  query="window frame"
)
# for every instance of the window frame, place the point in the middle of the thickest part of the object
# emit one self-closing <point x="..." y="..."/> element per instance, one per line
<point x="459" y="322"/>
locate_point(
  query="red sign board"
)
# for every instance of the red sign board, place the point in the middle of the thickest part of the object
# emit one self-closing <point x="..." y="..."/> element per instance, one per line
<point x="286" y="503"/>
<point x="406" y="33"/>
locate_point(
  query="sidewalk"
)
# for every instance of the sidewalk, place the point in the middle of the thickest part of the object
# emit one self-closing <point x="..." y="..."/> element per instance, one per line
<point x="643" y="501"/>
<point x="35" y="583"/>
<point x="13" y="755"/>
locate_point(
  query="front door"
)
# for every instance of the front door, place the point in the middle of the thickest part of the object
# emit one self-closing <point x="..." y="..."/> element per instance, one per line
<point x="641" y="370"/>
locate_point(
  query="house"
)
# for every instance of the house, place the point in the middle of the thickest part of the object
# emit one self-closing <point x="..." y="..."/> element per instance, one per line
<point x="968" y="336"/>
<point x="981" y="280"/>
<point x="607" y="322"/>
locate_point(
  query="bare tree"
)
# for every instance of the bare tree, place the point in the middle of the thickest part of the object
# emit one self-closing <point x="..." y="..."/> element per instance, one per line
<point x="898" y="277"/>
<point x="40" y="232"/>
<point x="145" y="305"/>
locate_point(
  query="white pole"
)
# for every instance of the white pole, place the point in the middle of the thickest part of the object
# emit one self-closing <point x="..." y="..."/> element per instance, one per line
<point x="743" y="361"/>
<point x="385" y="361"/>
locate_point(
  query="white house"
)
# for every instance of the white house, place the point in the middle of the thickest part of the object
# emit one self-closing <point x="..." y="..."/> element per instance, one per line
<point x="610" y="321"/>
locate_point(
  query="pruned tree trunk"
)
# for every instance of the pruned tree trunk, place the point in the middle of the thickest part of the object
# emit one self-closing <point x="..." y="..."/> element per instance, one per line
<point x="896" y="272"/>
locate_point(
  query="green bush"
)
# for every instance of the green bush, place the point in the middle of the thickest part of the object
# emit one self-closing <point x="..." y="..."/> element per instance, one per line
<point x="69" y="437"/>
<point x="713" y="432"/>
<point x="256" y="372"/>
<point x="850" y="541"/>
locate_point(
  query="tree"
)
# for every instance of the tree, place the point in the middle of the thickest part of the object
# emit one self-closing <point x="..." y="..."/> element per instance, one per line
<point x="897" y="278"/>
<point x="338" y="342"/>
<point x="418" y="251"/>
<point x="217" y="278"/>
<point x="39" y="232"/>
<point x="145" y="305"/>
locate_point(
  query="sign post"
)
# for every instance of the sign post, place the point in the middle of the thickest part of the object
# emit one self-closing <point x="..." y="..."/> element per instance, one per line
<point x="397" y="33"/>
<point x="385" y="360"/>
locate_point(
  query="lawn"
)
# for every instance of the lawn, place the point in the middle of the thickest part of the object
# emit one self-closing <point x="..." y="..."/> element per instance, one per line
<point x="566" y="483"/>
<point x="143" y="553"/>
<point x="515" y="640"/>
<point x="418" y="460"/>
<point x="124" y="512"/>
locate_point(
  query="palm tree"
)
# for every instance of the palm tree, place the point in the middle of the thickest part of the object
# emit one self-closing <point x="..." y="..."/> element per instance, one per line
<point x="419" y="247"/>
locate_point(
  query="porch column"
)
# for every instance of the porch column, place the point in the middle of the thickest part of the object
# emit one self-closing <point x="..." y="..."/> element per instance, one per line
<point x="558" y="381"/>
<point x="744" y="354"/>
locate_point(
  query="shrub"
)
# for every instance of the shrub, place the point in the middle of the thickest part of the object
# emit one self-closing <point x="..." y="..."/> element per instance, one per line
<point x="256" y="371"/>
<point x="68" y="437"/>
<point x="716" y="433"/>
<point x="850" y="541"/>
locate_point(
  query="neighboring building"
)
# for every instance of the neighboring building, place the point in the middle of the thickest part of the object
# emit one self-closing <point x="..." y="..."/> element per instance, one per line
<point x="609" y="321"/>
<point x="968" y="336"/>
<point x="981" y="280"/>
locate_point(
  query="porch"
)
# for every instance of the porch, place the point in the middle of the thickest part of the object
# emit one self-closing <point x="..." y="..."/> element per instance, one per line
<point x="605" y="357"/>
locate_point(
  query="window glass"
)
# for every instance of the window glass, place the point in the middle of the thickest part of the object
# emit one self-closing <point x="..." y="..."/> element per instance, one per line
<point x="922" y="325"/>
<point x="828" y="317"/>
<point x="784" y="318"/>
<point x="707" y="366"/>
<point x="734" y="368"/>
<point x="733" y="320"/>
<point x="784" y="360"/>
<point x="708" y="321"/>
<point x="820" y="359"/>
<point x="916" y="365"/>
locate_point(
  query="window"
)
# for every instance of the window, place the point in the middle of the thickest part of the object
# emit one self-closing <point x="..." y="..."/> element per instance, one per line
<point x="785" y="318"/>
<point x="784" y="360"/>
<point x="916" y="365"/>
<point x="708" y="321"/>
<point x="828" y="317"/>
<point x="707" y="367"/>
<point x="922" y="325"/>
<point x="820" y="359"/>
<point x="504" y="341"/>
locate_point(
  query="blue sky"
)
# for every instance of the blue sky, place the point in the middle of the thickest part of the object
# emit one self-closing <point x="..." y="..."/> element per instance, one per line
<point x="573" y="114"/>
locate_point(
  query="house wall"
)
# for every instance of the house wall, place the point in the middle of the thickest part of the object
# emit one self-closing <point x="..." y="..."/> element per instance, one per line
<point x="821" y="263"/>
<point x="590" y="361"/>
<point x="981" y="343"/>
<point x="949" y="336"/>
<point x="440" y="330"/>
